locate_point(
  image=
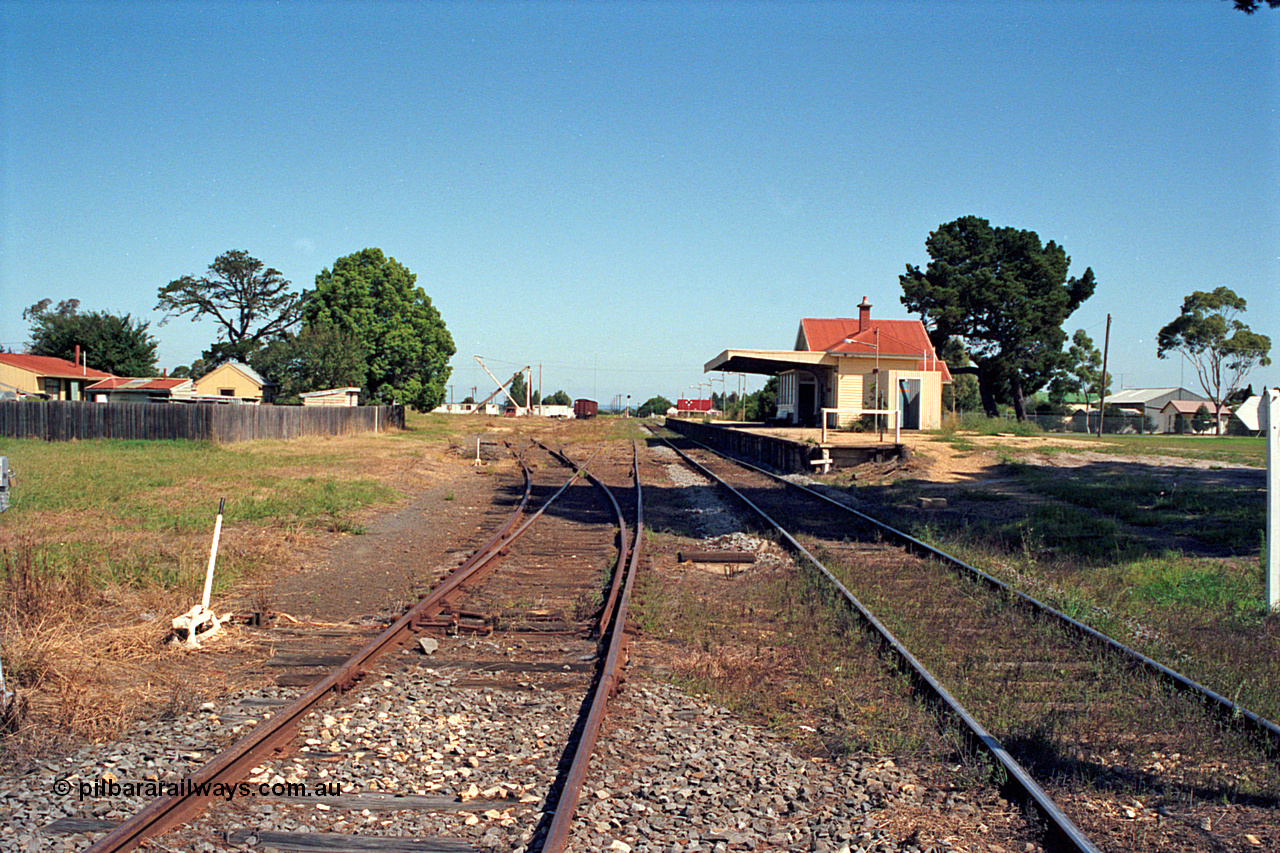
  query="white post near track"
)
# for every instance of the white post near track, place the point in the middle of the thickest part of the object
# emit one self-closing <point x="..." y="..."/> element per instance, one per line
<point x="213" y="556"/>
<point x="1270" y="417"/>
<point x="188" y="627"/>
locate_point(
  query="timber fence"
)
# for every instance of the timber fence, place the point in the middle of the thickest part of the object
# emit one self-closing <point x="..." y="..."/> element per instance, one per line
<point x="70" y="420"/>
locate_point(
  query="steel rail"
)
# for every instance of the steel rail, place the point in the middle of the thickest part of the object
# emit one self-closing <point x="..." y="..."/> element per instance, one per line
<point x="1059" y="823"/>
<point x="623" y="546"/>
<point x="557" y="835"/>
<point x="233" y="764"/>
<point x="1267" y="731"/>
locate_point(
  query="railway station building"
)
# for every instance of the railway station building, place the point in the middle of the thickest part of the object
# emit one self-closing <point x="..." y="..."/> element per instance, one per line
<point x="844" y="368"/>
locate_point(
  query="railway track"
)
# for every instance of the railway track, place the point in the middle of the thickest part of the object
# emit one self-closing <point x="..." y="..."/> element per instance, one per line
<point x="1091" y="732"/>
<point x="464" y="748"/>
<point x="459" y="713"/>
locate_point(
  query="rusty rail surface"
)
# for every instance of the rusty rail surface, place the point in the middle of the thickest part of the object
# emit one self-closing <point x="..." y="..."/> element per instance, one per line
<point x="610" y="677"/>
<point x="1068" y="835"/>
<point x="1264" y="731"/>
<point x="233" y="764"/>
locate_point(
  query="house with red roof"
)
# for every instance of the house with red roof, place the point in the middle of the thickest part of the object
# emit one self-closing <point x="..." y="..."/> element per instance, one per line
<point x="844" y="367"/>
<point x="46" y="376"/>
<point x="152" y="389"/>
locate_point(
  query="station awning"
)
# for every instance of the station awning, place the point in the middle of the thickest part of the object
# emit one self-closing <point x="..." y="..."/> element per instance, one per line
<point x="766" y="362"/>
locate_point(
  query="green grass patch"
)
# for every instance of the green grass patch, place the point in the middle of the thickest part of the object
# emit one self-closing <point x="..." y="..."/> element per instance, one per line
<point x="90" y="475"/>
<point x="431" y="427"/>
<point x="1240" y="450"/>
<point x="1178" y="582"/>
<point x="1205" y="617"/>
<point x="1146" y="501"/>
<point x="1074" y="530"/>
<point x="175" y="486"/>
<point x="138" y="515"/>
<point x="967" y="493"/>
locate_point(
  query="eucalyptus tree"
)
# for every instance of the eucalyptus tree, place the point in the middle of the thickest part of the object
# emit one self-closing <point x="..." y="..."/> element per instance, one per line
<point x="1210" y="335"/>
<point x="249" y="301"/>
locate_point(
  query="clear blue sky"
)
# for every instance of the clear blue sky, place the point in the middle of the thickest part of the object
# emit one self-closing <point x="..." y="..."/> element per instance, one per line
<point x="619" y="191"/>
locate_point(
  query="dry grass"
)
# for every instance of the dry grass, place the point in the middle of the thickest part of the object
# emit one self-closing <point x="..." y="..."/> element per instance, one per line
<point x="766" y="643"/>
<point x="84" y="669"/>
<point x="107" y="541"/>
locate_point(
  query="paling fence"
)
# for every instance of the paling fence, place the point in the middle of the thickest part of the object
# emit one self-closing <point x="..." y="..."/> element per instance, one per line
<point x="72" y="420"/>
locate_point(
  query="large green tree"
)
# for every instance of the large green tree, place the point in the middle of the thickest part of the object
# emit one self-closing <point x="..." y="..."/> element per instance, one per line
<point x="317" y="357"/>
<point x="962" y="394"/>
<point x="1210" y="335"/>
<point x="654" y="406"/>
<point x="1006" y="295"/>
<point x="250" y="302"/>
<point x="376" y="299"/>
<point x="112" y="343"/>
<point x="560" y="398"/>
<point x="1081" y="372"/>
<point x="762" y="405"/>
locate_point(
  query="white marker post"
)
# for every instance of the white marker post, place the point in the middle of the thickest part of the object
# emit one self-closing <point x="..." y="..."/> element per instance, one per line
<point x="1269" y="414"/>
<point x="200" y="622"/>
<point x="213" y="556"/>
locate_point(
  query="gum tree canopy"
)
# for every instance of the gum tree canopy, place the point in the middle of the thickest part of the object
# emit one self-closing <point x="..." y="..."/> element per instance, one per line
<point x="1005" y="295"/>
<point x="376" y="299"/>
<point x="1211" y="337"/>
<point x="250" y="302"/>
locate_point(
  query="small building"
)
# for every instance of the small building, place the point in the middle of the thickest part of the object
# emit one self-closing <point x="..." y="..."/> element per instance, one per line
<point x="47" y="377"/>
<point x="843" y="368"/>
<point x="1150" y="402"/>
<point x="1248" y="416"/>
<point x="692" y="408"/>
<point x="1178" y="416"/>
<point x="349" y="396"/>
<point x="549" y="410"/>
<point x="492" y="409"/>
<point x="155" y="389"/>
<point x="235" y="381"/>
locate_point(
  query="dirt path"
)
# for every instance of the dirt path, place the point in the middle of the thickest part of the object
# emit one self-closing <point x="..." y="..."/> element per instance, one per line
<point x="403" y="549"/>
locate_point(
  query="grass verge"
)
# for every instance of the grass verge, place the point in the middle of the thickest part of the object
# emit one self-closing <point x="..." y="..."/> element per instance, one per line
<point x="106" y="541"/>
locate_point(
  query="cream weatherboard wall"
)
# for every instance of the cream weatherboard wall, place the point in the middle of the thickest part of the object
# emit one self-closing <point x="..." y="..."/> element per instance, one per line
<point x="227" y="380"/>
<point x="856" y="389"/>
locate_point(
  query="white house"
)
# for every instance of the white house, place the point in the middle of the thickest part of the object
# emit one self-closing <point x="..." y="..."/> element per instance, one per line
<point x="1177" y="416"/>
<point x="492" y="409"/>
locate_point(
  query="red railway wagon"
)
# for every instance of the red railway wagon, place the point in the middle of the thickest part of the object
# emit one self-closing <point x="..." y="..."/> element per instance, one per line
<point x="584" y="408"/>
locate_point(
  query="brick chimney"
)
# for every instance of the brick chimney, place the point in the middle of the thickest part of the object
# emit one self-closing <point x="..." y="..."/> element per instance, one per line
<point x="864" y="315"/>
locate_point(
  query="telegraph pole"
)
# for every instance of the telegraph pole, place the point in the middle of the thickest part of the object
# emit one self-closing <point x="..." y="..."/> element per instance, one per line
<point x="1269" y="409"/>
<point x="1102" y="383"/>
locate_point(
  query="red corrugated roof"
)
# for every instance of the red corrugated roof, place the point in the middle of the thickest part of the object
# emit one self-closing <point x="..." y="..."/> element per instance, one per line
<point x="897" y="338"/>
<point x="151" y="383"/>
<point x="44" y="365"/>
